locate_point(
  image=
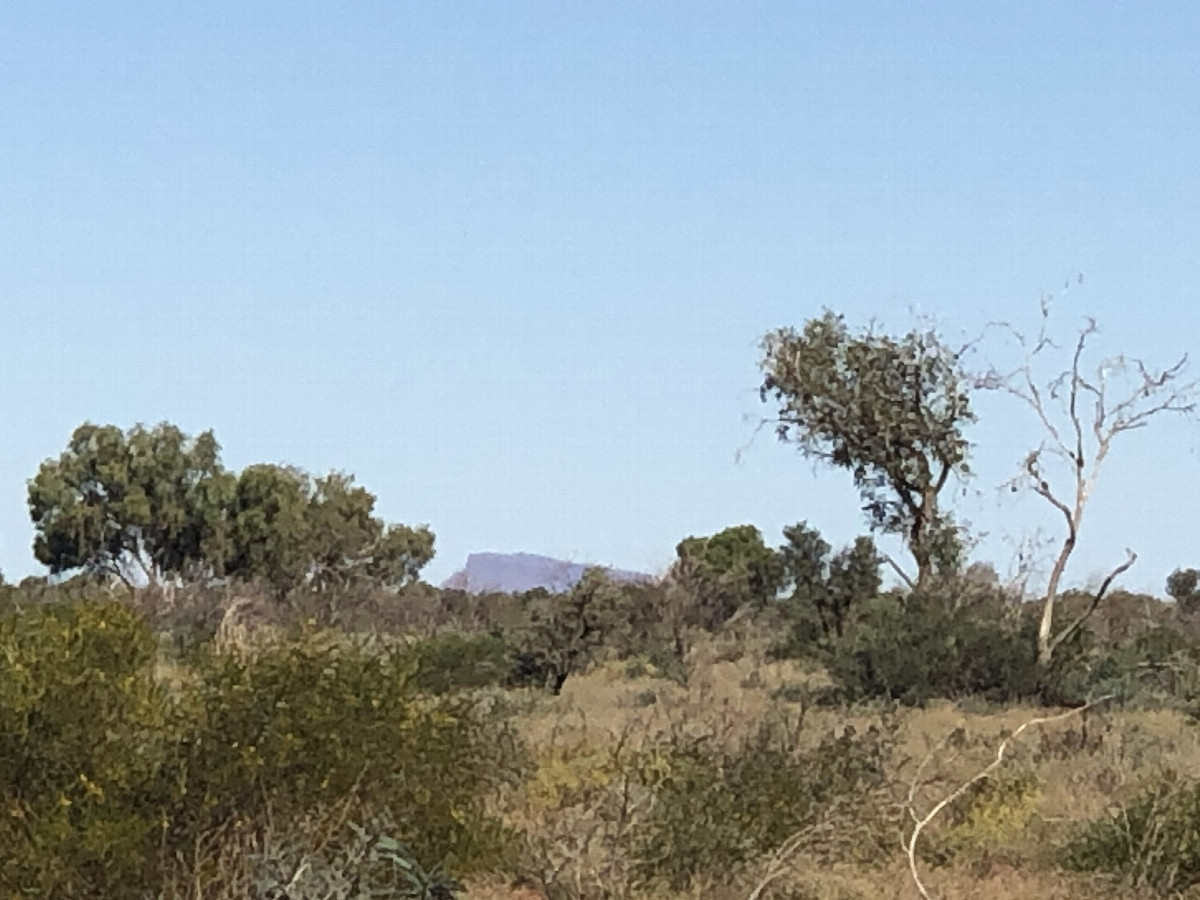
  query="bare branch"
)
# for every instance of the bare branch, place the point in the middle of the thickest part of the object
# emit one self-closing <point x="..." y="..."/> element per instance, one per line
<point x="1076" y="422"/>
<point x="777" y="866"/>
<point x="1042" y="487"/>
<point x="899" y="571"/>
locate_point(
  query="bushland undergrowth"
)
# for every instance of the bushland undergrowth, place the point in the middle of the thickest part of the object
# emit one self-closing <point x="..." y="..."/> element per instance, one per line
<point x="451" y="760"/>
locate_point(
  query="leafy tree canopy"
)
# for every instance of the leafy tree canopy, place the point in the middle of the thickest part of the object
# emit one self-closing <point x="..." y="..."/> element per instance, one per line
<point x="828" y="585"/>
<point x="292" y="530"/>
<point x="153" y="505"/>
<point x="1181" y="587"/>
<point x="147" y="504"/>
<point x="889" y="410"/>
<point x="564" y="631"/>
<point x="727" y="570"/>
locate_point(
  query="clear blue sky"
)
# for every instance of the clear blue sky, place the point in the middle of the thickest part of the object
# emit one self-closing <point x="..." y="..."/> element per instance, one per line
<point x="508" y="263"/>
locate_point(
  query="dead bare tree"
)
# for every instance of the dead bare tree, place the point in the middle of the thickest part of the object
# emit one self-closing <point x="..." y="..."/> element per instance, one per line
<point x="1081" y="439"/>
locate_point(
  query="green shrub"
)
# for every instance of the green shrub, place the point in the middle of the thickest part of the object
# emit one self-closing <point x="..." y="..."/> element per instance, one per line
<point x="915" y="651"/>
<point x="85" y="735"/>
<point x="716" y="809"/>
<point x="657" y="661"/>
<point x="107" y="780"/>
<point x="637" y="668"/>
<point x="1159" y="666"/>
<point x="992" y="817"/>
<point x="301" y="725"/>
<point x="1152" y="844"/>
<point x="666" y="663"/>
<point x="452" y="662"/>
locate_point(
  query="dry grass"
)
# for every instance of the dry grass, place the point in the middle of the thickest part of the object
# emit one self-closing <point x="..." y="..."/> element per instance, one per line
<point x="1081" y="769"/>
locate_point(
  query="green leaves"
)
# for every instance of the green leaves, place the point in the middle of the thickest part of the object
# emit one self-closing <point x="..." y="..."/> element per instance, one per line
<point x="727" y="570"/>
<point x="293" y="531"/>
<point x="716" y="807"/>
<point x="84" y="743"/>
<point x="155" y="506"/>
<point x="890" y="411"/>
<point x="564" y="631"/>
<point x="270" y="527"/>
<point x="830" y="586"/>
<point x="147" y="505"/>
<point x="1181" y="587"/>
<point x="110" y="781"/>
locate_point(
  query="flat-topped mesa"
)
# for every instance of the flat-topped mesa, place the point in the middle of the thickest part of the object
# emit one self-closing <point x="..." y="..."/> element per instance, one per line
<point x="517" y="572"/>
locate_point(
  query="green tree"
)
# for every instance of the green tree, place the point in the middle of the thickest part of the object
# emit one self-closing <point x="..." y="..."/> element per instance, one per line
<point x="1181" y="587"/>
<point x="271" y="528"/>
<point x="830" y="586"/>
<point x="891" y="411"/>
<point x="352" y="545"/>
<point x="147" y="505"/>
<point x="293" y="531"/>
<point x="564" y="631"/>
<point x="726" y="571"/>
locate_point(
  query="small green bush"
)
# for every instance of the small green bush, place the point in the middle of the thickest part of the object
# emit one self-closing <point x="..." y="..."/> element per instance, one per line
<point x="1152" y="844"/>
<point x="301" y="725"/>
<point x="453" y="662"/>
<point x="914" y="651"/>
<point x="666" y="663"/>
<point x="987" y="821"/>
<point x="715" y="809"/>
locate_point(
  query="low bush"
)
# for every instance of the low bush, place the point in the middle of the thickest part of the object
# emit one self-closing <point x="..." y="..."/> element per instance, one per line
<point x="715" y="809"/>
<point x="1150" y="844"/>
<point x="915" y="651"/>
<point x="299" y="726"/>
<point x="107" y="780"/>
<point x="86" y="737"/>
<point x="453" y="662"/>
<point x="987" y="821"/>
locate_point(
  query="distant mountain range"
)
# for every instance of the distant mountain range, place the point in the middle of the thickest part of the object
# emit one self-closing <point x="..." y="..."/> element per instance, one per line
<point x="516" y="572"/>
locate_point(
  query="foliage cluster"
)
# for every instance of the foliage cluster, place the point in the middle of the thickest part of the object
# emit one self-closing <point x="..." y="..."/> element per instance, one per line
<point x="914" y="649"/>
<point x="1150" y="844"/>
<point x="153" y="505"/>
<point x="725" y="572"/>
<point x="455" y="661"/>
<point x="107" y="780"/>
<point x="992" y="816"/>
<point x="889" y="410"/>
<point x="716" y="808"/>
<point x="85" y="741"/>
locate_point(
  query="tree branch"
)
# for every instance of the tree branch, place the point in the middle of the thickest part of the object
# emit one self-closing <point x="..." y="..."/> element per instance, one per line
<point x="899" y="571"/>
